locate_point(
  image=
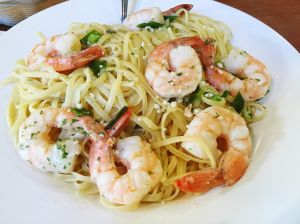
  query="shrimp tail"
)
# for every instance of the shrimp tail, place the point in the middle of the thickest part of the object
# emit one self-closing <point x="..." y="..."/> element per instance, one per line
<point x="201" y="181"/>
<point x="68" y="64"/>
<point x="100" y="149"/>
<point x="205" y="49"/>
<point x="119" y="122"/>
<point x="235" y="164"/>
<point x="173" y="10"/>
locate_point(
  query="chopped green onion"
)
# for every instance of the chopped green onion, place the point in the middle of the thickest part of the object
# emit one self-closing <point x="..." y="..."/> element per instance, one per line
<point x="195" y="98"/>
<point x="151" y="24"/>
<point x="212" y="96"/>
<point x="225" y="93"/>
<point x="116" y="118"/>
<point x="220" y="64"/>
<point x="208" y="41"/>
<point x="98" y="66"/>
<point x="80" y="112"/>
<point x="238" y="102"/>
<point x="170" y="18"/>
<point x="91" y="38"/>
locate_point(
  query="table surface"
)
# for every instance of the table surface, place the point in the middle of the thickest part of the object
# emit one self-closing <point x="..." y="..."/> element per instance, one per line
<point x="281" y="15"/>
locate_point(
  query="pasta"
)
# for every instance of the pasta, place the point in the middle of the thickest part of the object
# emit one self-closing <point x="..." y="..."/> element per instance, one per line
<point x="122" y="83"/>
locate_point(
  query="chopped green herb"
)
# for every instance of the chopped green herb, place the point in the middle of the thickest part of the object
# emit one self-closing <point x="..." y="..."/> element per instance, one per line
<point x="80" y="112"/>
<point x="98" y="66"/>
<point x="82" y="131"/>
<point x="267" y="92"/>
<point x="238" y="102"/>
<point x="110" y="31"/>
<point x="194" y="97"/>
<point x="208" y="41"/>
<point x="41" y="112"/>
<point x="64" y="167"/>
<point x="152" y="24"/>
<point x="91" y="38"/>
<point x="190" y="149"/>
<point x="257" y="80"/>
<point x="170" y="18"/>
<point x="179" y="74"/>
<point x="73" y="121"/>
<point x="34" y="135"/>
<point x="225" y="94"/>
<point x="64" y="121"/>
<point x="48" y="159"/>
<point x="62" y="148"/>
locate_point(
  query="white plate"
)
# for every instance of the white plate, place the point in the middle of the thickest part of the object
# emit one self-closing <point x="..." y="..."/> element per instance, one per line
<point x="268" y="193"/>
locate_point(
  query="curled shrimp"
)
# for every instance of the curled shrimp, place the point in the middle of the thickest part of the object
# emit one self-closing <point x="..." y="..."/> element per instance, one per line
<point x="52" y="139"/>
<point x="151" y="14"/>
<point x="224" y="131"/>
<point x="62" y="52"/>
<point x="144" y="169"/>
<point x="243" y="73"/>
<point x="174" y="68"/>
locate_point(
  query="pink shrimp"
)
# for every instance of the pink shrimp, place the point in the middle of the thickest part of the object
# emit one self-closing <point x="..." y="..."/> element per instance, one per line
<point x="173" y="10"/>
<point x="153" y="14"/>
<point x="63" y="53"/>
<point x="144" y="169"/>
<point x="174" y="68"/>
<point x="223" y="130"/>
<point x="250" y="78"/>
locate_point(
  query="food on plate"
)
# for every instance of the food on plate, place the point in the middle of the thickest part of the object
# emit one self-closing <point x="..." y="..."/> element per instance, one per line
<point x="139" y="112"/>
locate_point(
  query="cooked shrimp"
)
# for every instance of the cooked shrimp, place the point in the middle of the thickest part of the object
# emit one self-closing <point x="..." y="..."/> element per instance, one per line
<point x="52" y="139"/>
<point x="223" y="130"/>
<point x="250" y="78"/>
<point x="151" y="14"/>
<point x="144" y="169"/>
<point x="63" y="53"/>
<point x="143" y="16"/>
<point x="173" y="10"/>
<point x="174" y="68"/>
